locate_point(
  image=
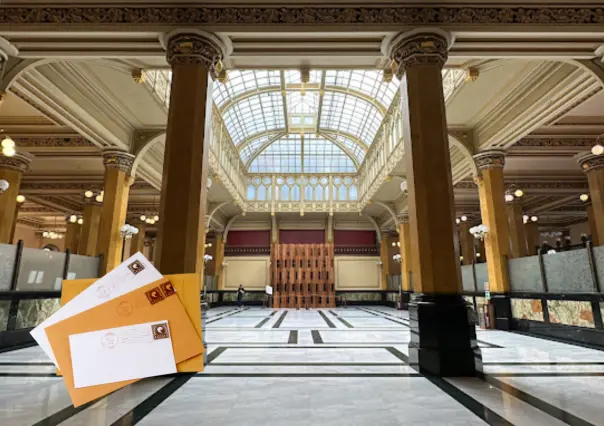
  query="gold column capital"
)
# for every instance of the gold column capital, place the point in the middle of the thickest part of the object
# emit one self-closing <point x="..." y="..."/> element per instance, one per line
<point x="20" y="161"/>
<point x="404" y="218"/>
<point x="419" y="47"/>
<point x="490" y="159"/>
<point x="590" y="162"/>
<point x="116" y="158"/>
<point x="186" y="47"/>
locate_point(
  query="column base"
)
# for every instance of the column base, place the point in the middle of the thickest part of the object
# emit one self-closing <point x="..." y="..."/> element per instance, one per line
<point x="443" y="336"/>
<point x="502" y="309"/>
<point x="404" y="299"/>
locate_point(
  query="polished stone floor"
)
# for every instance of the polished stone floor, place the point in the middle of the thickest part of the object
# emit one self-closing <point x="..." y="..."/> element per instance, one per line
<point x="324" y="367"/>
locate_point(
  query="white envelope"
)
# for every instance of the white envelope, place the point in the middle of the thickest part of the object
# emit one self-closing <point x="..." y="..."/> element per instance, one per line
<point x="122" y="353"/>
<point x="135" y="272"/>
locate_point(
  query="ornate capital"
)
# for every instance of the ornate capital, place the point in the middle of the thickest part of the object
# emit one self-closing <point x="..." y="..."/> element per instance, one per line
<point x="590" y="162"/>
<point x="193" y="47"/>
<point x="116" y="158"/>
<point x="419" y="48"/>
<point x="404" y="218"/>
<point x="20" y="161"/>
<point x="491" y="159"/>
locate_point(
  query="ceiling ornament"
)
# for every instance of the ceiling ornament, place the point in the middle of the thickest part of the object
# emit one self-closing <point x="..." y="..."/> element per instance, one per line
<point x="492" y="158"/>
<point x="53" y="141"/>
<point x="508" y="16"/>
<point x="590" y="162"/>
<point x="563" y="142"/>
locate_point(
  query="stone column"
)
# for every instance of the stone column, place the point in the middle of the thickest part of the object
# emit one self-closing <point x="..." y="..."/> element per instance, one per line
<point x="90" y="228"/>
<point x="118" y="164"/>
<point x="15" y="217"/>
<point x="406" y="262"/>
<point x="219" y="260"/>
<point x="532" y="237"/>
<point x="11" y="170"/>
<point x="466" y="241"/>
<point x="497" y="242"/>
<point x="194" y="57"/>
<point x="138" y="241"/>
<point x="384" y="258"/>
<point x="593" y="166"/>
<point x="443" y="339"/>
<point x="518" y="246"/>
<point x="591" y="221"/>
<point x="72" y="237"/>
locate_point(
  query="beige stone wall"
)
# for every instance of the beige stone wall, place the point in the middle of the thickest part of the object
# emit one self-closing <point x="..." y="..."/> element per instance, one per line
<point x="357" y="273"/>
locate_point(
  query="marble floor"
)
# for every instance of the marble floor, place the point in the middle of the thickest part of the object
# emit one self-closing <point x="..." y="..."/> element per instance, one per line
<point x="344" y="366"/>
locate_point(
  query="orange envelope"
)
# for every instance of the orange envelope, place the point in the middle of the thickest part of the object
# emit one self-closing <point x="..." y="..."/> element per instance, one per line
<point x="154" y="302"/>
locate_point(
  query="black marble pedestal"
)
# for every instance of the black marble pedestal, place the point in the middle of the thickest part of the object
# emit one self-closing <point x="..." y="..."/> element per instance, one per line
<point x="443" y="336"/>
<point x="502" y="310"/>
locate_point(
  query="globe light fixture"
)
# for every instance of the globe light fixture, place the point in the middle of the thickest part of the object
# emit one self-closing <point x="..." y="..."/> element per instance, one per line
<point x="534" y="218"/>
<point x="393" y="244"/>
<point x="80" y="221"/>
<point x="4" y="185"/>
<point x="7" y="142"/>
<point x="99" y="198"/>
<point x="45" y="234"/>
<point x="584" y="197"/>
<point x="464" y="218"/>
<point x="597" y="149"/>
<point x="404" y="186"/>
<point x="88" y="194"/>
<point x="457" y="220"/>
<point x="9" y="152"/>
<point x="143" y="218"/>
<point x="73" y="218"/>
<point x="509" y="197"/>
<point x="156" y="218"/>
<point x="128" y="231"/>
<point x="20" y="199"/>
<point x="519" y="193"/>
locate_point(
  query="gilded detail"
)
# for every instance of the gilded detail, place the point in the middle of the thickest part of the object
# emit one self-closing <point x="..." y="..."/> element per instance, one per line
<point x="490" y="159"/>
<point x="20" y="161"/>
<point x="419" y="49"/>
<point x="403" y="15"/>
<point x="118" y="159"/>
<point x="194" y="49"/>
<point x="592" y="162"/>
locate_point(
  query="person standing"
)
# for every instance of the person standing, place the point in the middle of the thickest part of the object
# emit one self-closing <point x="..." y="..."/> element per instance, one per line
<point x="240" y="293"/>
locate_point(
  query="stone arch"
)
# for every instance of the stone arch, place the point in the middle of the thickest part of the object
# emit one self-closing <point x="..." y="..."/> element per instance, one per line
<point x="392" y="213"/>
<point x="377" y="229"/>
<point x="214" y="210"/>
<point x="466" y="150"/>
<point x="227" y="228"/>
<point x="143" y="148"/>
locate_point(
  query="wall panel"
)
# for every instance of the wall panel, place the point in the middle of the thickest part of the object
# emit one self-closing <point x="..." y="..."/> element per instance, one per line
<point x="252" y="272"/>
<point x="357" y="273"/>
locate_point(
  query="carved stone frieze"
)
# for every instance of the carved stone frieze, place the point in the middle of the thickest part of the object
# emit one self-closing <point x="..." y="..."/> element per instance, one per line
<point x="419" y="49"/>
<point x="493" y="158"/>
<point x="118" y="159"/>
<point x="193" y="48"/>
<point x="53" y="141"/>
<point x="562" y="142"/>
<point x="20" y="161"/>
<point x="398" y="15"/>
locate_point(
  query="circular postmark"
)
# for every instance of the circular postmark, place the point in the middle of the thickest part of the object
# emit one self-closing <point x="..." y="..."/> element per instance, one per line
<point x="109" y="340"/>
<point x="102" y="292"/>
<point x="124" y="309"/>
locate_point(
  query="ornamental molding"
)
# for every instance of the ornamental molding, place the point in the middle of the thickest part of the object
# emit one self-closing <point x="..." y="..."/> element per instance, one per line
<point x="505" y="16"/>
<point x="54" y="142"/>
<point x="419" y="48"/>
<point x="20" y="161"/>
<point x="195" y="47"/>
<point x="561" y="142"/>
<point x="490" y="159"/>
<point x="590" y="162"/>
<point x="115" y="158"/>
<point x="530" y="185"/>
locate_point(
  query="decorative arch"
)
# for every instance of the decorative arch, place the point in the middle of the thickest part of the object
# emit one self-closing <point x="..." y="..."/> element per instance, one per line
<point x="143" y="148"/>
<point x="214" y="210"/>
<point x="466" y="151"/>
<point x="227" y="228"/>
<point x="378" y="234"/>
<point x="392" y="213"/>
<point x="591" y="66"/>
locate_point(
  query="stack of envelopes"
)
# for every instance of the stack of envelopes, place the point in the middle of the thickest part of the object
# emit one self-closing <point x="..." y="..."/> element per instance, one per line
<point x="128" y="325"/>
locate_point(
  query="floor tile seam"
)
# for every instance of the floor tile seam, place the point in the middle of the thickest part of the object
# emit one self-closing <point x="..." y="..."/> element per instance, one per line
<point x="534" y="401"/>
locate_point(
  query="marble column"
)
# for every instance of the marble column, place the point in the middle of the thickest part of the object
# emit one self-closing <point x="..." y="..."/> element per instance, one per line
<point x="194" y="58"/>
<point x="591" y="222"/>
<point x="443" y="338"/>
<point x="593" y="166"/>
<point x="15" y="217"/>
<point x="406" y="262"/>
<point x="219" y="260"/>
<point x="497" y="242"/>
<point x="518" y="246"/>
<point x="385" y="260"/>
<point x="72" y="237"/>
<point x="138" y="241"/>
<point x="532" y="237"/>
<point x="11" y="170"/>
<point x="90" y="228"/>
<point x="466" y="241"/>
<point x="118" y="164"/>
